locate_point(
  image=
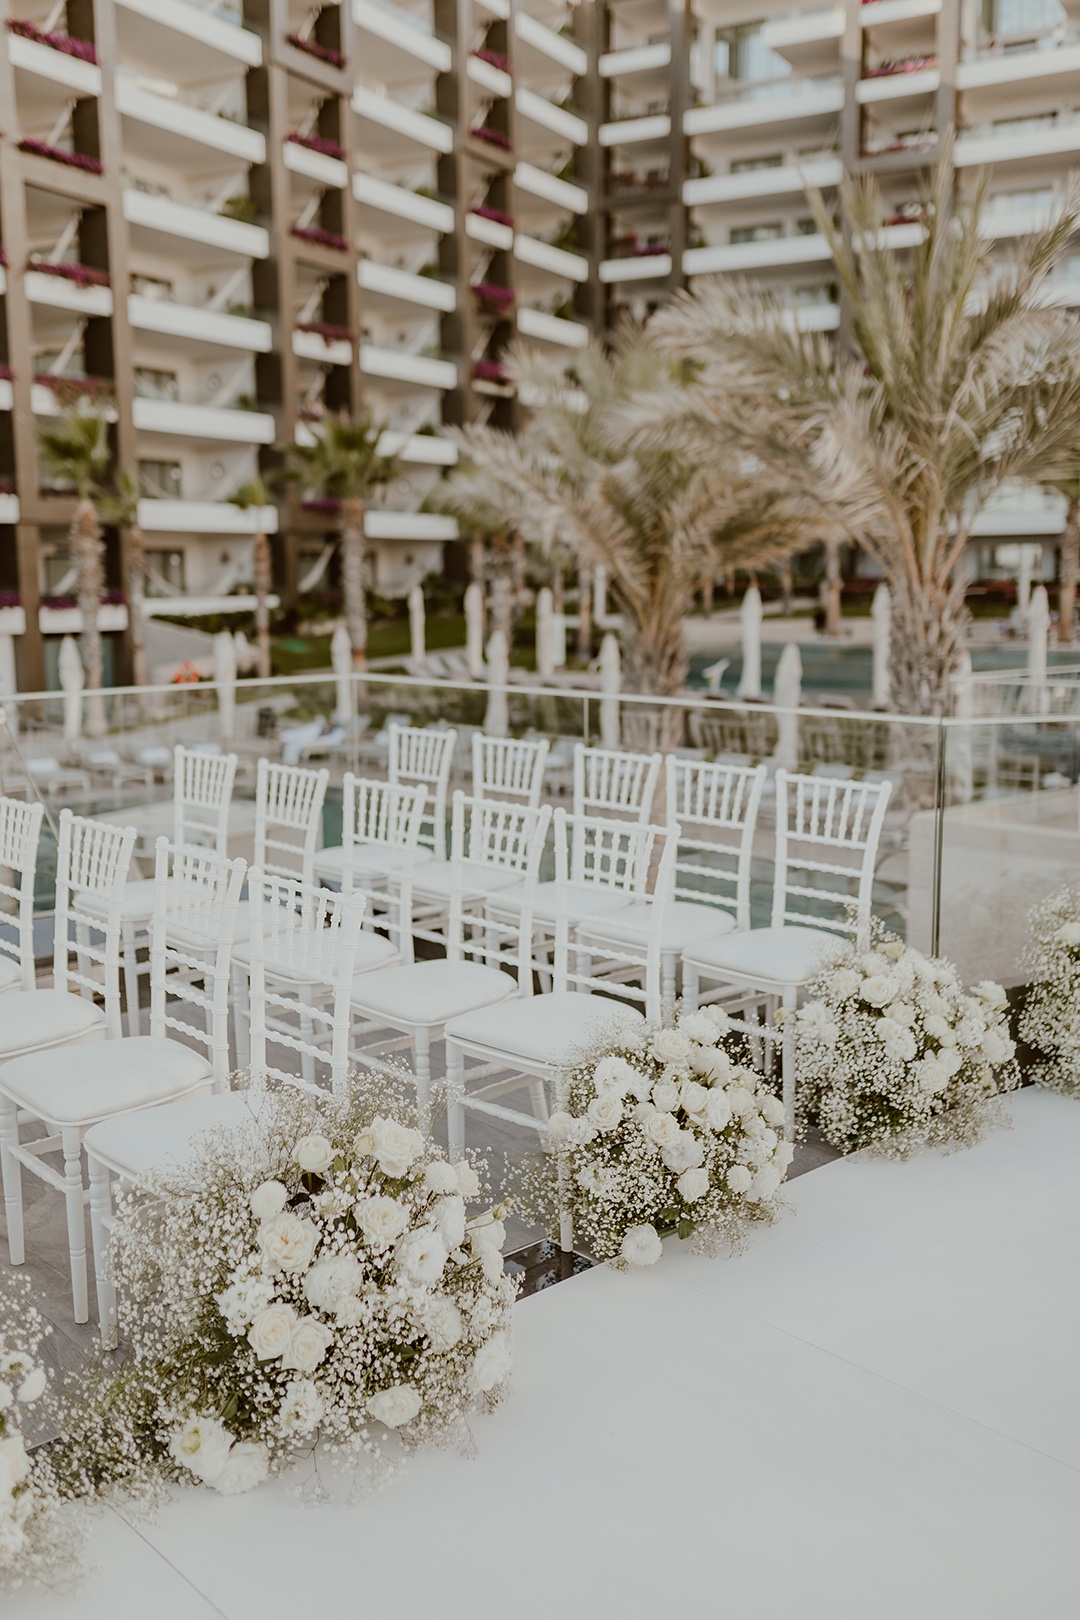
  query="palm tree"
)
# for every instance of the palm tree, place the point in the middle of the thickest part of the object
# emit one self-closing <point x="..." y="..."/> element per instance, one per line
<point x="254" y="496"/>
<point x="75" y="452"/>
<point x="658" y="519"/>
<point x="120" y="505"/>
<point x="956" y="377"/>
<point x="1068" y="556"/>
<point x="344" y="463"/>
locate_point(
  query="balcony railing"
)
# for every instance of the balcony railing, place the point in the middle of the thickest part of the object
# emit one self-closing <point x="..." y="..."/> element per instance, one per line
<point x="83" y="49"/>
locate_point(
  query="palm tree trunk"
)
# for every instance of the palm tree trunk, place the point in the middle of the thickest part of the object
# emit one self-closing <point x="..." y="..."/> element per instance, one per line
<point x="354" y="577"/>
<point x="584" y="629"/>
<point x="924" y="644"/>
<point x="262" y="573"/>
<point x="1068" y="569"/>
<point x="833" y="588"/>
<point x="85" y="541"/>
<point x="655" y="664"/>
<point x="136" y="594"/>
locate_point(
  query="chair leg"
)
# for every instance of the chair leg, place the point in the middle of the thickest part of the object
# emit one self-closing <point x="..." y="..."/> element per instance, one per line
<point x="71" y="1139"/>
<point x="669" y="961"/>
<point x="12" y="1173"/>
<point x="455" y="1088"/>
<point x="305" y="1001"/>
<point x="791" y="998"/>
<point x="538" y="1099"/>
<point x="242" y="1018"/>
<point x="129" y="952"/>
<point x="100" y="1221"/>
<point x="690" y="988"/>
<point x="422" y="1065"/>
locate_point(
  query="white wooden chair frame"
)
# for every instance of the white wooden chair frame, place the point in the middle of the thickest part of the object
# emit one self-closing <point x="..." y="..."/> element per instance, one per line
<point x="509" y="768"/>
<point x="20" y="834"/>
<point x="612" y="782"/>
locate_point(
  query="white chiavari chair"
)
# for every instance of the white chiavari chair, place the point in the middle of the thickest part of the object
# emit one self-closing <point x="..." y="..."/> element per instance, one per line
<point x="418" y="757"/>
<point x="611" y="782"/>
<point x="20" y="833"/>
<point x="509" y="768"/>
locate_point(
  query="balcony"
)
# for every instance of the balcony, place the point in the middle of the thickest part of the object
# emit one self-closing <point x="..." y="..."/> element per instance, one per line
<point x="1018" y="141"/>
<point x="205" y="517"/>
<point x="185" y="40"/>
<point x="41" y="62"/>
<point x="538" y="47"/>
<point x="173" y="132"/>
<point x="418" y="370"/>
<point x="495" y="80"/>
<point x="323" y="348"/>
<point x="904" y="85"/>
<point x="636" y="59"/>
<point x="380" y="524"/>
<point x="199" y="327"/>
<point x="178" y="230"/>
<point x="810" y="42"/>
<point x="322" y="167"/>
<point x="491" y="232"/>
<point x="1043" y="73"/>
<point x="393" y="41"/>
<point x="181" y="421"/>
<point x="386" y="123"/>
<point x="769" y="254"/>
<point x="58" y="292"/>
<point x="643" y="266"/>
<point x="901" y="27"/>
<point x="542" y="256"/>
<point x="784" y="181"/>
<point x="1022" y="510"/>
<point x="387" y="281"/>
<point x="538" y="183"/>
<point x="556" y="120"/>
<point x="384" y="203"/>
<point x="798" y="106"/>
<point x="420" y="449"/>
<point x="9" y="508"/>
<point x="536" y="323"/>
<point x="631" y="131"/>
<point x="7" y="394"/>
<point x="1017" y="213"/>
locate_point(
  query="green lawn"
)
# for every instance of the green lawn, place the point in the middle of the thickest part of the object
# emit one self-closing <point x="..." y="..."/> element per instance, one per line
<point x="293" y="653"/>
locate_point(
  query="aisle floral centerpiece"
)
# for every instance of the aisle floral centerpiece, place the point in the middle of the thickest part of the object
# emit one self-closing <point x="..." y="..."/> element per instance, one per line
<point x="314" y="1277"/>
<point x="892" y="1052"/>
<point x="1051" y="1020"/>
<point x="667" y="1134"/>
<point x="39" y="1541"/>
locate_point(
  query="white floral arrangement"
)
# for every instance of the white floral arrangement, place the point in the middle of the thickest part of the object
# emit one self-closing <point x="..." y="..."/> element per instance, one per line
<point x="666" y="1136"/>
<point x="1051" y="1019"/>
<point x="892" y="1053"/>
<point x="38" y="1540"/>
<point x="313" y="1278"/>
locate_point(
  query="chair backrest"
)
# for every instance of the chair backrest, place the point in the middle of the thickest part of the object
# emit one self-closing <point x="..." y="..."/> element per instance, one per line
<point x="827" y="836"/>
<point x="716" y="807"/>
<point x="386" y="815"/>
<point x="610" y="782"/>
<point x="196" y="895"/>
<point x="511" y="837"/>
<point x="288" y="819"/>
<point x="92" y="861"/>
<point x="422" y="754"/>
<point x="202" y="796"/>
<point x="509" y="768"/>
<point x="301" y="933"/>
<point x="20" y="831"/>
<point x="622" y="855"/>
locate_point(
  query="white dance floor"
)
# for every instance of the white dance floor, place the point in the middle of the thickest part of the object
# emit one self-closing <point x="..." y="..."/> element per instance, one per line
<point x="874" y="1412"/>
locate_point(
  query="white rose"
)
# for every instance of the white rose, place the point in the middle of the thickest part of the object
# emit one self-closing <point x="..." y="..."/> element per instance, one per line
<point x="670" y="1046"/>
<point x="716" y="1015"/>
<point x="201" y="1444"/>
<point x="641" y="1246"/>
<point x="467" y="1179"/>
<point x="33" y="1385"/>
<point x="901" y="1012"/>
<point x="718" y="1110"/>
<point x="443" y="1324"/>
<point x="765" y="1182"/>
<point x="449" y="1217"/>
<point x="308" y="1345"/>
<point x="1067" y="934"/>
<point x="662" y="1129"/>
<point x="692" y="1185"/>
<point x="873" y="962"/>
<point x="421" y="1256"/>
<point x="878" y="989"/>
<point x="693" y="1097"/>
<point x="270" y="1332"/>
<point x="302" y="1409"/>
<point x="333" y="1282"/>
<point x="697" y="1027"/>
<point x="315" y="1154"/>
<point x="287" y="1242"/>
<point x="14" y="1464"/>
<point x="267" y="1200"/>
<point x="739" y="1178"/>
<point x="615" y="1074"/>
<point x="559" y="1128"/>
<point x="395" y="1406"/>
<point x="487" y="1232"/>
<point x="742" y="1101"/>
<point x="665" y="1096"/>
<point x="950" y="1060"/>
<point x="440" y="1177"/>
<point x="606" y="1111"/>
<point x="783" y="1155"/>
<point x="772" y="1109"/>
<point x="931" y="1076"/>
<point x="491" y="1364"/>
<point x="685" y="1153"/>
<point x="246" y="1466"/>
<point x="242" y="1301"/>
<point x="844" y="983"/>
<point x="395" y="1147"/>
<point x="382" y="1220"/>
<point x="713" y="1064"/>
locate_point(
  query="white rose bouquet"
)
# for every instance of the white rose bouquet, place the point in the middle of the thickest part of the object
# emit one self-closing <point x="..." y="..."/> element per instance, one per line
<point x="1051" y="1020"/>
<point x="668" y="1136"/>
<point x="892" y="1053"/>
<point x="314" y="1277"/>
<point x="38" y="1540"/>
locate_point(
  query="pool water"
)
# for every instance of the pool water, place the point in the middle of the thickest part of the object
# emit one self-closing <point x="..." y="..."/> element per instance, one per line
<point x="848" y="670"/>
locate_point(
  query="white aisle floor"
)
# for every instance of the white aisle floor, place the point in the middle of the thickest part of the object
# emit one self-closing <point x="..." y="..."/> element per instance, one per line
<point x="873" y="1412"/>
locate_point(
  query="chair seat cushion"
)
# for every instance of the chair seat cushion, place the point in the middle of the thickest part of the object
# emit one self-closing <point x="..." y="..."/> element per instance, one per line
<point x="545" y="1031"/>
<point x="370" y="861"/>
<point x="33" y="1019"/>
<point x="10" y="974"/>
<point x="582" y="899"/>
<point x="132" y="1143"/>
<point x="436" y="880"/>
<point x="137" y="905"/>
<point x="428" y="993"/>
<point x="81" y="1083"/>
<point x="781" y="956"/>
<point x="372" y="951"/>
<point x="684" y="924"/>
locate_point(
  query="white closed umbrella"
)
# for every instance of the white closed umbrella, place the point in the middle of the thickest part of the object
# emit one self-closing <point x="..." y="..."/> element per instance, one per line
<point x="72" y="681"/>
<point x="1038" y="630"/>
<point x="1023" y="583"/>
<point x="417" y="631"/>
<point x="599" y="594"/>
<point x="610" y="687"/>
<point x="545" y="633"/>
<point x="881" y="614"/>
<point x="750" y="617"/>
<point x="474" y="630"/>
<point x="497" y="718"/>
<point x="225" y="677"/>
<point x="342" y="659"/>
<point x="787" y="695"/>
